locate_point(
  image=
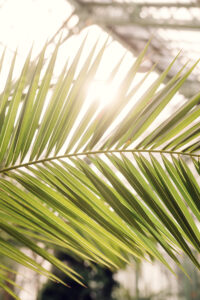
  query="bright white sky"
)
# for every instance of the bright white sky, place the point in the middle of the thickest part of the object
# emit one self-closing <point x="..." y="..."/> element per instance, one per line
<point x="25" y="21"/>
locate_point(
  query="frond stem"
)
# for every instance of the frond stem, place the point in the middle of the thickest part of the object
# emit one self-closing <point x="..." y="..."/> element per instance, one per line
<point x="97" y="152"/>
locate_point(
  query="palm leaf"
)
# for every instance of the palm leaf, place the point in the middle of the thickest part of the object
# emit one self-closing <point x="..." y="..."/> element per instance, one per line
<point x="100" y="184"/>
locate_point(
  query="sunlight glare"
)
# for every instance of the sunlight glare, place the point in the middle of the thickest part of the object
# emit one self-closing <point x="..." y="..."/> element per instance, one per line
<point x="102" y="92"/>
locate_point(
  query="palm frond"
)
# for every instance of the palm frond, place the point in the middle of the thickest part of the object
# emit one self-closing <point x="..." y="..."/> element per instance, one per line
<point x="99" y="184"/>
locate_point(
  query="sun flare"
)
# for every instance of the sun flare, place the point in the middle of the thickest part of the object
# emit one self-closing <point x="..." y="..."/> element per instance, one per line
<point x="102" y="92"/>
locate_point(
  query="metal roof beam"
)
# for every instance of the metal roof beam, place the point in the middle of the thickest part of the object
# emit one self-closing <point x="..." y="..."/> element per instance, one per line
<point x="142" y="4"/>
<point x="133" y="16"/>
<point x="135" y="20"/>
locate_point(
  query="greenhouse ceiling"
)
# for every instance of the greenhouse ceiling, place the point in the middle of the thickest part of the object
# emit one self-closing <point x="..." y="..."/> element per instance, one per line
<point x="171" y="25"/>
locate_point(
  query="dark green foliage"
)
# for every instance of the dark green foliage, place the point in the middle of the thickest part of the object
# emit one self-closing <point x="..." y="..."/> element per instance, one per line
<point x="99" y="283"/>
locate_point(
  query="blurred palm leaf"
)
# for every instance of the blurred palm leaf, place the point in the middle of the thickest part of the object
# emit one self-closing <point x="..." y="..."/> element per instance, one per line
<point x="115" y="188"/>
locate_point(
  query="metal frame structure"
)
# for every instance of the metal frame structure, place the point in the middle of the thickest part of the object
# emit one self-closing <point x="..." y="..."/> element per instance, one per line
<point x="133" y="23"/>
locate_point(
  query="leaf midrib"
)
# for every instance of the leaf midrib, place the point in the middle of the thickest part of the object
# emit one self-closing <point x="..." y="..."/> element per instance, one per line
<point x="68" y="155"/>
